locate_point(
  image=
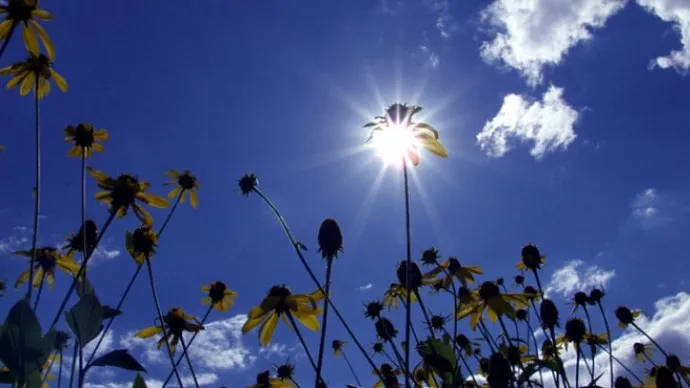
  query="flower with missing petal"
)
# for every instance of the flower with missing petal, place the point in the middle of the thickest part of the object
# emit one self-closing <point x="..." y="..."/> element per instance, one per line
<point x="124" y="192"/>
<point x="26" y="13"/>
<point x="186" y="184"/>
<point x="531" y="258"/>
<point x="85" y="139"/>
<point x="279" y="303"/>
<point x="337" y="346"/>
<point x="626" y="316"/>
<point x="488" y="297"/>
<point x="395" y="293"/>
<point x="176" y="323"/>
<point x="47" y="259"/>
<point x="37" y="70"/>
<point x="141" y="245"/>
<point x="219" y="296"/>
<point x="450" y="269"/>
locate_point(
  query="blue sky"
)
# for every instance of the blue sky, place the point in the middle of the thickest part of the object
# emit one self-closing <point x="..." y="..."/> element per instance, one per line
<point x="566" y="126"/>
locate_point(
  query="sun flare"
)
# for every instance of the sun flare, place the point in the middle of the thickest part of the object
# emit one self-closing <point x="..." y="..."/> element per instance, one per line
<point x="394" y="144"/>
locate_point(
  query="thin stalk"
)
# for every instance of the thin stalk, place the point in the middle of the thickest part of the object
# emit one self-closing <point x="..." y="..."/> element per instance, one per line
<point x="134" y="276"/>
<point x="559" y="361"/>
<point x="619" y="362"/>
<point x="408" y="254"/>
<point x="577" y="368"/>
<point x="649" y="338"/>
<point x="469" y="370"/>
<point x="322" y="341"/>
<point x="37" y="185"/>
<point x="81" y="361"/>
<point x="428" y="322"/>
<point x="298" y="251"/>
<point x="83" y="210"/>
<point x="350" y="366"/>
<point x="152" y="283"/>
<point x="13" y="26"/>
<point x="82" y="269"/>
<point x="388" y="356"/>
<point x="589" y="324"/>
<point x="609" y="340"/>
<point x="74" y="363"/>
<point x="510" y="343"/>
<point x="59" y="378"/>
<point x="191" y="340"/>
<point x="487" y="335"/>
<point x="45" y="375"/>
<point x="295" y="383"/>
<point x="40" y="291"/>
<point x="301" y="339"/>
<point x="536" y="350"/>
<point x="185" y="353"/>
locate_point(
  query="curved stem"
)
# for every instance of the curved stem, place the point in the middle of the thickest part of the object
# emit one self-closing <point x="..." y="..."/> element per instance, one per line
<point x="295" y="382"/>
<point x="467" y="366"/>
<point x="322" y="341"/>
<point x="577" y="368"/>
<point x="152" y="282"/>
<point x="191" y="340"/>
<point x="13" y="26"/>
<point x="609" y="340"/>
<point x="82" y="268"/>
<point x="185" y="353"/>
<point x="352" y="370"/>
<point x="298" y="251"/>
<point x="408" y="254"/>
<point x="536" y="350"/>
<point x="619" y="362"/>
<point x="649" y="338"/>
<point x="37" y="186"/>
<point x="589" y="324"/>
<point x="301" y="339"/>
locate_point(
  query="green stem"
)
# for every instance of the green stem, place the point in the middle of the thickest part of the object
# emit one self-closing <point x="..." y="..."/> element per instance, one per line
<point x="13" y="26"/>
<point x="408" y="253"/>
<point x="301" y="339"/>
<point x="589" y="324"/>
<point x="298" y="251"/>
<point x="324" y="323"/>
<point x="59" y="378"/>
<point x="185" y="353"/>
<point x="83" y="211"/>
<point x="37" y="186"/>
<point x="352" y="370"/>
<point x="74" y="363"/>
<point x="619" y="362"/>
<point x="649" y="338"/>
<point x="609" y="340"/>
<point x="152" y="283"/>
<point x="191" y="340"/>
<point x="82" y="269"/>
<point x="39" y="292"/>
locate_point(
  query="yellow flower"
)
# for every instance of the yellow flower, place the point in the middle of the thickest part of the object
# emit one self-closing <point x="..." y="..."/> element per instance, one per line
<point x="454" y="269"/>
<point x="489" y="298"/>
<point x="264" y="380"/>
<point x="124" y="192"/>
<point x="26" y="12"/>
<point x="396" y="293"/>
<point x="85" y="139"/>
<point x="219" y="296"/>
<point x="186" y="183"/>
<point x="176" y="322"/>
<point x="141" y="245"/>
<point x="36" y="68"/>
<point x="389" y="375"/>
<point x="279" y="303"/>
<point x="643" y="352"/>
<point x="396" y="126"/>
<point x="47" y="259"/>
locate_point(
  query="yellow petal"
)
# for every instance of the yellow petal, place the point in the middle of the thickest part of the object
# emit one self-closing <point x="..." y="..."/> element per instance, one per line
<point x="51" y="280"/>
<point x="142" y="214"/>
<point x="174" y="174"/>
<point x="267" y="329"/>
<point x="205" y="288"/>
<point x="38" y="278"/>
<point x="433" y="145"/>
<point x="22" y="279"/>
<point x="192" y="199"/>
<point x="308" y="320"/>
<point x="206" y="300"/>
<point x="153" y="200"/>
<point x="30" y="41"/>
<point x="41" y="14"/>
<point x="251" y="323"/>
<point x="59" y="81"/>
<point x="47" y="43"/>
<point x="100" y="135"/>
<point x="149" y="332"/>
<point x="174" y="192"/>
<point x="97" y="147"/>
<point x="5" y="27"/>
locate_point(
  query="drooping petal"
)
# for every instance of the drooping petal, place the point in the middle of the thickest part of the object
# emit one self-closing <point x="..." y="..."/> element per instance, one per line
<point x="308" y="320"/>
<point x="142" y="214"/>
<point x="153" y="200"/>
<point x="27" y="85"/>
<point x="267" y="329"/>
<point x="149" y="332"/>
<point x="206" y="300"/>
<point x="253" y="322"/>
<point x="100" y="135"/>
<point x="173" y="174"/>
<point x="51" y="280"/>
<point x="23" y="278"/>
<point x="47" y="43"/>
<point x="59" y="80"/>
<point x="41" y="14"/>
<point x="97" y="147"/>
<point x="175" y="192"/>
<point x="193" y="199"/>
<point x="5" y="27"/>
<point x="205" y="288"/>
<point x="433" y="145"/>
<point x="30" y="41"/>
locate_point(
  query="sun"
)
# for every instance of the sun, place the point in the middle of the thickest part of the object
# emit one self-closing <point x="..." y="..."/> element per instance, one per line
<point x="393" y="144"/>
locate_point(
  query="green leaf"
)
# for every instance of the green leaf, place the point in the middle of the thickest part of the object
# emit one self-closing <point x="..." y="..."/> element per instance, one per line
<point x="85" y="287"/>
<point x="35" y="379"/>
<point x="85" y="319"/>
<point x="528" y="372"/>
<point x="110" y="312"/>
<point x="139" y="382"/>
<point x="21" y="341"/>
<point x="119" y="358"/>
<point x="439" y="355"/>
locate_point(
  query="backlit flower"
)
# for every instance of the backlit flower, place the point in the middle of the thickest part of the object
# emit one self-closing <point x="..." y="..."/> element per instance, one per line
<point x="219" y="296"/>
<point x="75" y="242"/>
<point x="248" y="183"/>
<point x="264" y="380"/>
<point x="25" y="13"/>
<point x="141" y="244"/>
<point x="176" y="323"/>
<point x="186" y="184"/>
<point x="330" y="239"/>
<point x="85" y="139"/>
<point x="531" y="258"/>
<point x="278" y="303"/>
<point x="396" y="293"/>
<point x="642" y="351"/>
<point x="490" y="299"/>
<point x="626" y="316"/>
<point x="337" y="346"/>
<point x="27" y="73"/>
<point x="389" y="376"/>
<point x="124" y="192"/>
<point x="47" y="259"/>
<point x="453" y="268"/>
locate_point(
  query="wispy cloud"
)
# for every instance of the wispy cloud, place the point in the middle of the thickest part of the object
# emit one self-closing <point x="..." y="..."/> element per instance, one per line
<point x="650" y="209"/>
<point x="391" y="6"/>
<point x="274" y="349"/>
<point x="365" y="287"/>
<point x="548" y="123"/>
<point x="11" y="244"/>
<point x="106" y="253"/>
<point x="678" y="13"/>
<point x="445" y="24"/>
<point x="575" y="276"/>
<point x="529" y="35"/>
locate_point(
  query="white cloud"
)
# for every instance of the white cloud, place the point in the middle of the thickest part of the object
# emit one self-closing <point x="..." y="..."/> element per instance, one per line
<point x="678" y="13"/>
<point x="532" y="34"/>
<point x="105" y="253"/>
<point x="573" y="277"/>
<point x="650" y="209"/>
<point x="365" y="287"/>
<point x="274" y="349"/>
<point x="12" y="243"/>
<point x="445" y="24"/>
<point x="204" y="379"/>
<point x="548" y="123"/>
<point x="433" y="60"/>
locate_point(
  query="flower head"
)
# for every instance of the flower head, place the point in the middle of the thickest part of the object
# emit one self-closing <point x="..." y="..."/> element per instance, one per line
<point x="549" y="313"/>
<point x="580" y="299"/>
<point x="465" y="344"/>
<point x="248" y="183"/>
<point x="26" y="13"/>
<point x="141" y="244"/>
<point x="37" y="70"/>
<point x="452" y="268"/>
<point x="575" y="332"/>
<point x="396" y="293"/>
<point x="438" y="322"/>
<point x="219" y="296"/>
<point x="176" y="322"/>
<point x="643" y="352"/>
<point x="430" y="256"/>
<point x="330" y="239"/>
<point x="337" y="346"/>
<point x="409" y="275"/>
<point x="385" y="329"/>
<point x="373" y="309"/>
<point x="622" y="382"/>
<point x="280" y="302"/>
<point x="124" y="192"/>
<point x="3" y="287"/>
<point x="285" y="371"/>
<point x="595" y="296"/>
<point x="488" y="297"/>
<point x="61" y="340"/>
<point x="531" y="258"/>
<point x="47" y="259"/>
<point x="519" y="280"/>
<point x="626" y="316"/>
<point x="186" y="184"/>
<point x="377" y="347"/>
<point x="85" y="139"/>
<point x="75" y="242"/>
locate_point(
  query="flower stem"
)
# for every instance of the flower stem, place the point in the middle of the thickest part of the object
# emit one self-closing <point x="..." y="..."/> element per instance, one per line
<point x="152" y="283"/>
<point x="37" y="185"/>
<point x="324" y="323"/>
<point x="298" y="251"/>
<point x="301" y="339"/>
<point x="608" y="334"/>
<point x="131" y="281"/>
<point x="619" y="362"/>
<point x="185" y="353"/>
<point x="74" y="363"/>
<point x="589" y="324"/>
<point x="40" y="290"/>
<point x="408" y="254"/>
<point x="536" y="350"/>
<point x="350" y="366"/>
<point x="83" y="211"/>
<point x="649" y="338"/>
<point x="13" y="26"/>
<point x="82" y="269"/>
<point x="191" y="340"/>
<point x="59" y="378"/>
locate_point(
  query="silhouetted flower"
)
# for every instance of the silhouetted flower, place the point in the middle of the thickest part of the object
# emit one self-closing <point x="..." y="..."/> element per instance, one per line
<point x="385" y="329"/>
<point x="176" y="322"/>
<point x="337" y="346"/>
<point x="519" y="280"/>
<point x="186" y="184"/>
<point x="531" y="258"/>
<point x="438" y="322"/>
<point x="219" y="296"/>
<point x="595" y="296"/>
<point x="395" y="293"/>
<point x="373" y="309"/>
<point x="642" y="351"/>
<point x="85" y="138"/>
<point x="500" y="373"/>
<point x="141" y="245"/>
<point x="409" y="278"/>
<point x="330" y="239"/>
<point x="549" y="313"/>
<point x="47" y="259"/>
<point x="489" y="298"/>
<point x="622" y="382"/>
<point x="248" y="183"/>
<point x="75" y="242"/>
<point x="450" y="269"/>
<point x="626" y="316"/>
<point x="34" y="73"/>
<point x="26" y="13"/>
<point x="575" y="332"/>
<point x="430" y="256"/>
<point x="61" y="340"/>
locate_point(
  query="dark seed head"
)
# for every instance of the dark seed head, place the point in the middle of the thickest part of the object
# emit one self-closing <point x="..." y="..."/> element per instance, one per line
<point x="484" y="365"/>
<point x="415" y="275"/>
<point x="464" y="294"/>
<point x="549" y="313"/>
<point x="462" y="341"/>
<point x="624" y="315"/>
<point x="575" y="330"/>
<point x="519" y="280"/>
<point x="248" y="183"/>
<point x="622" y="382"/>
<point x="521" y="314"/>
<point x="513" y="355"/>
<point x="285" y="371"/>
<point x="580" y="298"/>
<point x="378" y="347"/>
<point x="263" y="379"/>
<point x="638" y="348"/>
<point x="61" y="340"/>
<point x="385" y="329"/>
<point x="531" y="293"/>
<point x="531" y="257"/>
<point x="430" y="256"/>
<point x="673" y="362"/>
<point x="373" y="309"/>
<point x="547" y="349"/>
<point x="499" y="282"/>
<point x="217" y="291"/>
<point x="595" y="296"/>
<point x="489" y="290"/>
<point x="664" y="378"/>
<point x="500" y="373"/>
<point x="330" y="239"/>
